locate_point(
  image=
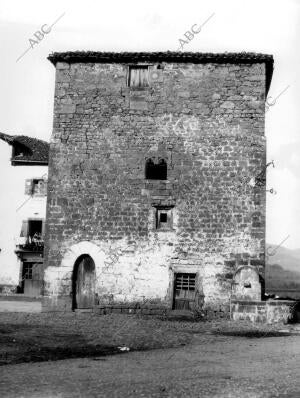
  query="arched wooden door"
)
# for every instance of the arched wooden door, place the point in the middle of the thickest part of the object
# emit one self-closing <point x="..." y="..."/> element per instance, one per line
<point x="84" y="282"/>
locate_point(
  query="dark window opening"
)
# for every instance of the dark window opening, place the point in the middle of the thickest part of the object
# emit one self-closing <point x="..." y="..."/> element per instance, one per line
<point x="185" y="282"/>
<point x="163" y="217"/>
<point x="37" y="186"/>
<point x="32" y="232"/>
<point x="35" y="228"/>
<point x="156" y="171"/>
<point x="138" y="76"/>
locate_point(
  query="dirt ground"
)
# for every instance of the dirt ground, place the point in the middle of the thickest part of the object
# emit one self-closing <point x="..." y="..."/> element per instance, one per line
<point x="33" y="337"/>
<point x="166" y="358"/>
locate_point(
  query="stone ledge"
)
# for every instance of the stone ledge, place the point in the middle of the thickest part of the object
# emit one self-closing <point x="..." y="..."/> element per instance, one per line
<point x="270" y="311"/>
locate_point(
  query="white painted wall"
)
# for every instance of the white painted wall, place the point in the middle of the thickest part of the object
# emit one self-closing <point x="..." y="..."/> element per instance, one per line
<point x="12" y="196"/>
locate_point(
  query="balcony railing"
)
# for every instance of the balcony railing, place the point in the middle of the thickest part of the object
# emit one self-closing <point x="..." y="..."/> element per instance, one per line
<point x="34" y="246"/>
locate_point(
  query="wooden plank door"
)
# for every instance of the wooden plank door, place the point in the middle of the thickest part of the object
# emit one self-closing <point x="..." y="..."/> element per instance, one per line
<point x="184" y="291"/>
<point x="85" y="283"/>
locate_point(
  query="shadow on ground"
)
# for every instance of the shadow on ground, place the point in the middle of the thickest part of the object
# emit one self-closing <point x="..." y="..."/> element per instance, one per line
<point x="252" y="333"/>
<point x="54" y="336"/>
<point x="57" y="353"/>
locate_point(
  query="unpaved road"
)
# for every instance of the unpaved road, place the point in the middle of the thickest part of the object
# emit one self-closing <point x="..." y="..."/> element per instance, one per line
<point x="212" y="366"/>
<point x="20" y="306"/>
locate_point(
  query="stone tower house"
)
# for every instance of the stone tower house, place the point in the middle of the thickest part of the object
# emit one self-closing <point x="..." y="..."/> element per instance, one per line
<point x="156" y="185"/>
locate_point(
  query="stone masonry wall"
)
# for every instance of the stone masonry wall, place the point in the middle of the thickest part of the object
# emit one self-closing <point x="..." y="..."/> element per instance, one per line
<point x="270" y="311"/>
<point x="207" y="122"/>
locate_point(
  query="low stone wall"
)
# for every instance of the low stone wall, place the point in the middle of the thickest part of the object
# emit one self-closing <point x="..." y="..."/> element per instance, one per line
<point x="216" y="313"/>
<point x="271" y="311"/>
<point x="128" y="309"/>
<point x="158" y="309"/>
<point x="280" y="311"/>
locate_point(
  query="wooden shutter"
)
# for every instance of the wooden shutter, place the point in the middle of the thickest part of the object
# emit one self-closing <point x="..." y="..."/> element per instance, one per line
<point x="138" y="76"/>
<point x="28" y="187"/>
<point x="43" y="228"/>
<point x="24" y="229"/>
<point x="199" y="295"/>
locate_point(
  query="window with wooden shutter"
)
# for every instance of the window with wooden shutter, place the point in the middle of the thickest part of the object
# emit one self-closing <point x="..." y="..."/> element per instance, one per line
<point x="28" y="187"/>
<point x="43" y="228"/>
<point x="24" y="229"/>
<point x="138" y="76"/>
<point x="185" y="282"/>
<point x="184" y="291"/>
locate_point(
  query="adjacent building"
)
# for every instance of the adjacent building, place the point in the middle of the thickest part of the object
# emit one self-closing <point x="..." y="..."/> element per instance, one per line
<point x="24" y="168"/>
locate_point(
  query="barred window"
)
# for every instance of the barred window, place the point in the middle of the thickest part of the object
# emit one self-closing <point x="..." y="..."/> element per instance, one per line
<point x="184" y="291"/>
<point x="185" y="281"/>
<point x="27" y="270"/>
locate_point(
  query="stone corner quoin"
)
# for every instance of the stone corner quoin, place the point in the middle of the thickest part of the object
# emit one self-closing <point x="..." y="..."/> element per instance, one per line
<point x="204" y="122"/>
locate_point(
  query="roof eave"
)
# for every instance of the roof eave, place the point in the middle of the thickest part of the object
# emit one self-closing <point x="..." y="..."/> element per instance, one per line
<point x="167" y="56"/>
<point x="23" y="162"/>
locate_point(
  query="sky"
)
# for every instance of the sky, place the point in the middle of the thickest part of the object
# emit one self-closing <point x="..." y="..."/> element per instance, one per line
<point x="265" y="26"/>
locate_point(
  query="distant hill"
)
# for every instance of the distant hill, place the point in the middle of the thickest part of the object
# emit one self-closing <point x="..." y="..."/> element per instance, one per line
<point x="287" y="258"/>
<point x="283" y="271"/>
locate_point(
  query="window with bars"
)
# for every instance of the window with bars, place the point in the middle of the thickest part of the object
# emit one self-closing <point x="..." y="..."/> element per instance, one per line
<point x="185" y="282"/>
<point x="138" y="76"/>
<point x="184" y="291"/>
<point x="27" y="270"/>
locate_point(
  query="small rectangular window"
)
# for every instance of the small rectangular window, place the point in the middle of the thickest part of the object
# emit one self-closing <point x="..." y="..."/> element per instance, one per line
<point x="138" y="76"/>
<point x="36" y="187"/>
<point x="164" y="218"/>
<point x="156" y="171"/>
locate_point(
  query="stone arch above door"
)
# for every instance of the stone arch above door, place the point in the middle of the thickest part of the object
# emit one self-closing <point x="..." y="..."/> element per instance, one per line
<point x="83" y="248"/>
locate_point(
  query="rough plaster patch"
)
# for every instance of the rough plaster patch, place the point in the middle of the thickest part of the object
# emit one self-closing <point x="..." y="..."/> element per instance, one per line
<point x="118" y="275"/>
